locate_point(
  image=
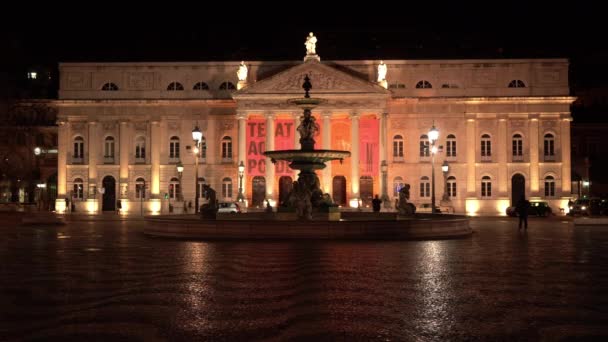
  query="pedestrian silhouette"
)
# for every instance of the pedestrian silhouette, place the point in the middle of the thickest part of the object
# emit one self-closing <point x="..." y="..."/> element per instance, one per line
<point x="376" y="202"/>
<point x="522" y="208"/>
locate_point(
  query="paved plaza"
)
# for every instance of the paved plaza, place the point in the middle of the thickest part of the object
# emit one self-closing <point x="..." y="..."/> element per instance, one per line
<point x="106" y="280"/>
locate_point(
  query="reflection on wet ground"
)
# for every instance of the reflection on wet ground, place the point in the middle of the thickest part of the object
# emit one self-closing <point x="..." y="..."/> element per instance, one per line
<point x="107" y="281"/>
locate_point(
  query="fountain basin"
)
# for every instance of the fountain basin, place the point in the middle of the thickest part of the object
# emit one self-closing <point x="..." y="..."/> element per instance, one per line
<point x="300" y="159"/>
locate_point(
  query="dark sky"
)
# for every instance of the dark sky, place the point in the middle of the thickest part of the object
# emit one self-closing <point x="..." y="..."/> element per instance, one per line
<point x="377" y="31"/>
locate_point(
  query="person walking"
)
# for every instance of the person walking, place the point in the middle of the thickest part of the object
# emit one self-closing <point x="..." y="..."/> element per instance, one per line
<point x="376" y="202"/>
<point x="522" y="207"/>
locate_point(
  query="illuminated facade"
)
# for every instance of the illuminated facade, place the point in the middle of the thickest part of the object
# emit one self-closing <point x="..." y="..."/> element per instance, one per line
<point x="504" y="129"/>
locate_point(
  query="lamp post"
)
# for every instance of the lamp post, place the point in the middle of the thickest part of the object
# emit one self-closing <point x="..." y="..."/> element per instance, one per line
<point x="433" y="136"/>
<point x="197" y="136"/>
<point x="445" y="168"/>
<point x="384" y="170"/>
<point x="241" y="168"/>
<point x="180" y="171"/>
<point x="41" y="187"/>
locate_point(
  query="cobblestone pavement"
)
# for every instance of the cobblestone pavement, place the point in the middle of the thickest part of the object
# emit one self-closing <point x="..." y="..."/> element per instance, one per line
<point x="107" y="281"/>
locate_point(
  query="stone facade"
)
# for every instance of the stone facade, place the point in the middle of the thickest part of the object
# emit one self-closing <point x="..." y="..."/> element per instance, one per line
<point x="484" y="111"/>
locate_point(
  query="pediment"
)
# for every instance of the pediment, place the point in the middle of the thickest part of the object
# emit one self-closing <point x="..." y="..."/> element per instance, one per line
<point x="326" y="80"/>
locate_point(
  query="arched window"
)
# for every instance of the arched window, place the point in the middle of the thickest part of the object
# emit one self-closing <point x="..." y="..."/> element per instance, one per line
<point x="227" y="187"/>
<point x="173" y="188"/>
<point x="425" y="187"/>
<point x="451" y="145"/>
<point x="518" y="147"/>
<point x="226" y="149"/>
<point x="140" y="149"/>
<point x="200" y="86"/>
<point x="423" y="84"/>
<point x="108" y="151"/>
<point x="398" y="148"/>
<point x="173" y="86"/>
<point x="549" y="147"/>
<point x="517" y="84"/>
<point x="549" y="186"/>
<point x="486" y="147"/>
<point x="174" y="148"/>
<point x="486" y="187"/>
<point x="451" y="190"/>
<point x="78" y="148"/>
<point x="109" y="87"/>
<point x="140" y="188"/>
<point x="227" y="86"/>
<point x="200" y="183"/>
<point x="424" y="146"/>
<point x="78" y="189"/>
<point x="397" y="185"/>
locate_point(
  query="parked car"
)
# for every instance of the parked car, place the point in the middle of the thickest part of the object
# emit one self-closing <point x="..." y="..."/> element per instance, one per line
<point x="537" y="208"/>
<point x="228" y="207"/>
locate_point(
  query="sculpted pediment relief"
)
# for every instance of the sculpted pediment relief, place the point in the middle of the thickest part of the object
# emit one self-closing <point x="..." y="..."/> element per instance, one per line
<point x="325" y="80"/>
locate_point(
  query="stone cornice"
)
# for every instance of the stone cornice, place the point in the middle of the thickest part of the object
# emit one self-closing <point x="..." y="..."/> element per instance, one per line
<point x="490" y="100"/>
<point x="163" y="102"/>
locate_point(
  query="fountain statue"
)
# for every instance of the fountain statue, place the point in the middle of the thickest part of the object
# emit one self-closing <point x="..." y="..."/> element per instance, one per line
<point x="405" y="208"/>
<point x="306" y="195"/>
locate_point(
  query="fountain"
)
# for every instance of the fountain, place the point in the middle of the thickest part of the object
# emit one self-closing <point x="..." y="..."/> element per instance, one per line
<point x="306" y="195"/>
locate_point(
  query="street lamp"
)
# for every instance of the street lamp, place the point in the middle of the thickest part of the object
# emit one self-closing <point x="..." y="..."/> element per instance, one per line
<point x="445" y="168"/>
<point x="241" y="168"/>
<point x="41" y="187"/>
<point x="180" y="170"/>
<point x="197" y="136"/>
<point x="433" y="136"/>
<point x="384" y="170"/>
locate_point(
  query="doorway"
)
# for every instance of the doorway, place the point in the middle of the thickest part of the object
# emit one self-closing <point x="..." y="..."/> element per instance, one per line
<point x="109" y="195"/>
<point x="518" y="188"/>
<point x="339" y="190"/>
<point x="258" y="191"/>
<point x="366" y="183"/>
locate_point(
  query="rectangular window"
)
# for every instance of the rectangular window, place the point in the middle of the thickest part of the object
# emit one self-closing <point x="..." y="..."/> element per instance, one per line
<point x="452" y="189"/>
<point x="549" y="189"/>
<point x="451" y="151"/>
<point x="227" y="189"/>
<point x="424" y="149"/>
<point x="486" y="189"/>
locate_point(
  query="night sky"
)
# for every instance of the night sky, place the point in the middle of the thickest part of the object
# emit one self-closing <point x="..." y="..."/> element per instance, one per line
<point x="506" y="31"/>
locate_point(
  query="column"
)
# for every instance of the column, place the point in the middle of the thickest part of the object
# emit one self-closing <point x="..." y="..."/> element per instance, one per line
<point x="565" y="138"/>
<point x="354" y="158"/>
<point x="269" y="165"/>
<point x="242" y="150"/>
<point x="383" y="153"/>
<point x="213" y="141"/>
<point x="62" y="161"/>
<point x="471" y="174"/>
<point x="92" y="145"/>
<point x="502" y="146"/>
<point x="326" y="143"/>
<point x="534" y="186"/>
<point x="124" y="158"/>
<point x="155" y="159"/>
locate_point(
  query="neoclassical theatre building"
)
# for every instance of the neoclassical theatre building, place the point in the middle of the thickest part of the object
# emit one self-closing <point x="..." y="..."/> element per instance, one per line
<point x="504" y="131"/>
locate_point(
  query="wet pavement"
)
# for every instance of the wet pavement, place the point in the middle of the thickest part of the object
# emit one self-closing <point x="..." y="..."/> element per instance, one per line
<point x="107" y="281"/>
